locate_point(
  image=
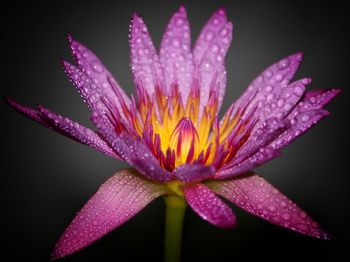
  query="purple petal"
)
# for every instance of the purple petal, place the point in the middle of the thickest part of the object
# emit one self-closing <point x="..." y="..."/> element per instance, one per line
<point x="91" y="65"/>
<point x="262" y="156"/>
<point x="145" y="64"/>
<point x="133" y="150"/>
<point x="175" y="53"/>
<point x="261" y="199"/>
<point x="28" y="112"/>
<point x="193" y="172"/>
<point x="269" y="84"/>
<point x="209" y="54"/>
<point x="76" y="131"/>
<point x="284" y="102"/>
<point x="209" y="206"/>
<point x="65" y="127"/>
<point x="120" y="198"/>
<point x="299" y="125"/>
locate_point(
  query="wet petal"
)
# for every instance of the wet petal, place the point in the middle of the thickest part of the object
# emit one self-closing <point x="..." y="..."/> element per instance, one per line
<point x="299" y="125"/>
<point x="209" y="55"/>
<point x="133" y="150"/>
<point x="258" y="197"/>
<point x="66" y="127"/>
<point x="175" y="53"/>
<point x="76" y="131"/>
<point x="193" y="172"/>
<point x="120" y="198"/>
<point x="92" y="66"/>
<point x="145" y="64"/>
<point x="209" y="206"/>
<point x="269" y="85"/>
<point x="262" y="156"/>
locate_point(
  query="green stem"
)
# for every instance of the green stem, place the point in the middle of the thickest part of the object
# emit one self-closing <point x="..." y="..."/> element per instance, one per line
<point x="175" y="211"/>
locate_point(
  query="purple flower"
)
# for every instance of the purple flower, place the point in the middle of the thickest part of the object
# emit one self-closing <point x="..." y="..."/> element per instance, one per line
<point x="171" y="134"/>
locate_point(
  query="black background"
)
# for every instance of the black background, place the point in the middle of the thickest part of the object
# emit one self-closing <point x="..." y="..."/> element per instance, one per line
<point x="46" y="178"/>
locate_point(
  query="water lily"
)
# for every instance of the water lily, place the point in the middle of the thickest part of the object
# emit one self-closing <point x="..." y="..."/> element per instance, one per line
<point x="171" y="135"/>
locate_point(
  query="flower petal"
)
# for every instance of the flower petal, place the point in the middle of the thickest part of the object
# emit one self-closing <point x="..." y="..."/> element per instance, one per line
<point x="193" y="172"/>
<point x="260" y="157"/>
<point x="145" y="64"/>
<point x="91" y="65"/>
<point x="65" y="127"/>
<point x="76" y="131"/>
<point x="209" y="206"/>
<point x="258" y="197"/>
<point x="175" y="53"/>
<point x="268" y="85"/>
<point x="209" y="55"/>
<point x="300" y="124"/>
<point x="121" y="197"/>
<point x="133" y="150"/>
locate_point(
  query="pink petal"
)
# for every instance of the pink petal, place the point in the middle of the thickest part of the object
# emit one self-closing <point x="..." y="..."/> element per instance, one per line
<point x="91" y="65"/>
<point x="120" y="198"/>
<point x="65" y="127"/>
<point x="145" y="64"/>
<point x="193" y="172"/>
<point x="132" y="150"/>
<point x="268" y="85"/>
<point x="260" y="157"/>
<point x="209" y="206"/>
<point x="175" y="53"/>
<point x="300" y="124"/>
<point x="209" y="55"/>
<point x="261" y="199"/>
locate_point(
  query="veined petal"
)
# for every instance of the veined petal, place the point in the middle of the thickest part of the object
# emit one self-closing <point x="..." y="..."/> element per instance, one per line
<point x="268" y="85"/>
<point x="66" y="127"/>
<point x="193" y="172"/>
<point x="145" y="64"/>
<point x="258" y="197"/>
<point x="120" y="198"/>
<point x="237" y="168"/>
<point x="91" y="65"/>
<point x="209" y="55"/>
<point x="133" y="150"/>
<point x="175" y="53"/>
<point x="209" y="206"/>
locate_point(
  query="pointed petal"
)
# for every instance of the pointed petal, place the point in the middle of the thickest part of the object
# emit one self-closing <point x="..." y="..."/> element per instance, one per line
<point x="92" y="66"/>
<point x="28" y="112"/>
<point x="300" y="124"/>
<point x="193" y="172"/>
<point x="145" y="64"/>
<point x="65" y="127"/>
<point x="209" y="206"/>
<point x="269" y="84"/>
<point x="262" y="156"/>
<point x="74" y="130"/>
<point x="175" y="53"/>
<point x="209" y="55"/>
<point x="258" y="197"/>
<point x="132" y="150"/>
<point x="120" y="198"/>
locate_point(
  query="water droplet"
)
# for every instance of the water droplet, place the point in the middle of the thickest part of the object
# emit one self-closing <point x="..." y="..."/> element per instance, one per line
<point x="179" y="21"/>
<point x="288" y="106"/>
<point x="215" y="48"/>
<point x="85" y="54"/>
<point x="96" y="66"/>
<point x="270" y="97"/>
<point x="223" y="32"/>
<point x="305" y="118"/>
<point x="268" y="74"/>
<point x="175" y="42"/>
<point x="312" y="100"/>
<point x="268" y="88"/>
<point x="280" y="102"/>
<point x="209" y="36"/>
<point x="215" y="21"/>
<point x="272" y="208"/>
<point x="298" y="90"/>
<point x="284" y="63"/>
<point x="279" y="77"/>
<point x="286" y="216"/>
<point x="303" y="214"/>
<point x="206" y="66"/>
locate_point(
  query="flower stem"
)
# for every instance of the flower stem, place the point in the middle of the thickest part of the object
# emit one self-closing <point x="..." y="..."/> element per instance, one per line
<point x="175" y="211"/>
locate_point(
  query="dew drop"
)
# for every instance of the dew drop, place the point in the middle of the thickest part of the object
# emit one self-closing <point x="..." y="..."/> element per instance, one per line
<point x="206" y="66"/>
<point x="96" y="66"/>
<point x="85" y="54"/>
<point x="298" y="90"/>
<point x="268" y="74"/>
<point x="209" y="36"/>
<point x="179" y="21"/>
<point x="305" y="118"/>
<point x="268" y="88"/>
<point x="280" y="102"/>
<point x="283" y="63"/>
<point x="223" y="32"/>
<point x="215" y="48"/>
<point x="175" y="43"/>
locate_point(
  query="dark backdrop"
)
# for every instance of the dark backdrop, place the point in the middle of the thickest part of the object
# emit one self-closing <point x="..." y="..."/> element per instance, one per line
<point x="47" y="178"/>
